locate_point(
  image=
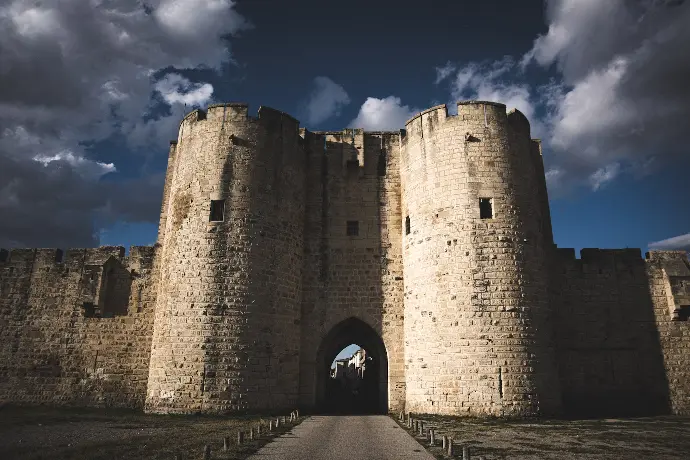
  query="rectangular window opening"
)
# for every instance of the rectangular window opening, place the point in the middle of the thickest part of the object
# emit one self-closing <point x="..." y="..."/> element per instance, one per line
<point x="684" y="313"/>
<point x="407" y="225"/>
<point x="352" y="228"/>
<point x="486" y="209"/>
<point x="217" y="210"/>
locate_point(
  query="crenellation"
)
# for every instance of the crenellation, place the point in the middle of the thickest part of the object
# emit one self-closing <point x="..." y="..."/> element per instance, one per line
<point x="656" y="256"/>
<point x="518" y="121"/>
<point x="229" y="112"/>
<point x="431" y="247"/>
<point x="101" y="254"/>
<point x="21" y="255"/>
<point x="565" y="254"/>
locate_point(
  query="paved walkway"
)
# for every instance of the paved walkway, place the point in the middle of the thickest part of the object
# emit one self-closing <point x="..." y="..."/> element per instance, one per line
<point x="370" y="437"/>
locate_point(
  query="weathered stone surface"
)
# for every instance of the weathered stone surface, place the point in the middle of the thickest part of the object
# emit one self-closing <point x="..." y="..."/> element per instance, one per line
<point x="475" y="316"/>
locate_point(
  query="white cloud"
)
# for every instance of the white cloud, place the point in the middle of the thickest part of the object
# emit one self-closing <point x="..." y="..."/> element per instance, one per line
<point x="386" y="114"/>
<point x="623" y="85"/>
<point x="326" y="100"/>
<point x="177" y="89"/>
<point x="677" y="243"/>
<point x="76" y="72"/>
<point x="88" y="169"/>
<point x="492" y="81"/>
<point x="621" y="92"/>
<point x="603" y="175"/>
<point x="444" y="72"/>
<point x="592" y="107"/>
<point x="192" y="18"/>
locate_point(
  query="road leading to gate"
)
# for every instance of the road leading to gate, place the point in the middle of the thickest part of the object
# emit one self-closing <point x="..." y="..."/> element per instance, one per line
<point x="370" y="437"/>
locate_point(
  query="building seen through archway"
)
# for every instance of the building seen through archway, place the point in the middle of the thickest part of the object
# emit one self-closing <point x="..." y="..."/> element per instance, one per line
<point x="353" y="371"/>
<point x="353" y="383"/>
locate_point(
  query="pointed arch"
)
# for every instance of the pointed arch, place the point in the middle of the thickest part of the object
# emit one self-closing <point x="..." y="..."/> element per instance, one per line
<point x="346" y="332"/>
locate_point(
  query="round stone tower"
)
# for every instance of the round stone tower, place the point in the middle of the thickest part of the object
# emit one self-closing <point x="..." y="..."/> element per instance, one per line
<point x="226" y="331"/>
<point x="476" y="235"/>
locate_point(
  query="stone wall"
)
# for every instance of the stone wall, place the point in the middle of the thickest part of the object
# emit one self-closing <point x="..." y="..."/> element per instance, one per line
<point x="227" y="325"/>
<point x="619" y="350"/>
<point x="76" y="330"/>
<point x="477" y="326"/>
<point x="353" y="176"/>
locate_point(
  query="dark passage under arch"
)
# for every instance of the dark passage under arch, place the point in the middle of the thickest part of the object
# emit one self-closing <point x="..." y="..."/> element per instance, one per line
<point x="372" y="396"/>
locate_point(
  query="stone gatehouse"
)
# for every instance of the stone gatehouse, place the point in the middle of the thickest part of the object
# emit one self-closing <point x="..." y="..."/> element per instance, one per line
<point x="430" y="247"/>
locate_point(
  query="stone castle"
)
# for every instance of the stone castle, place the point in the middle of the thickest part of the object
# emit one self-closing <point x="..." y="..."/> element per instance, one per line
<point x="431" y="247"/>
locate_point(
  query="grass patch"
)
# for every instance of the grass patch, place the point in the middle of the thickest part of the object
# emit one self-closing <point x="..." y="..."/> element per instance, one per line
<point x="33" y="433"/>
<point x="603" y="439"/>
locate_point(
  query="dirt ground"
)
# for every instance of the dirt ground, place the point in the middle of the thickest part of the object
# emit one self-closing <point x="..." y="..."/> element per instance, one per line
<point x="98" y="434"/>
<point x="602" y="439"/>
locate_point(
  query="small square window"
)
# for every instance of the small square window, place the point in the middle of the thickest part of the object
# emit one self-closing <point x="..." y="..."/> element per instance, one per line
<point x="407" y="225"/>
<point x="217" y="210"/>
<point x="486" y="209"/>
<point x="352" y="228"/>
<point x="684" y="313"/>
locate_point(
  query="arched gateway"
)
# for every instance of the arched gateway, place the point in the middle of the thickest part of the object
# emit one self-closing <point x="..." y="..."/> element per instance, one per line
<point x="436" y="238"/>
<point x="372" y="397"/>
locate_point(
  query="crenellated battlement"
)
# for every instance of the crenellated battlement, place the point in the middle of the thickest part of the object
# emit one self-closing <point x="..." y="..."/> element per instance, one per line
<point x="475" y="117"/>
<point x="519" y="122"/>
<point x="595" y="255"/>
<point x="659" y="256"/>
<point x="438" y="112"/>
<point x="595" y="261"/>
<point x="56" y="257"/>
<point x="238" y="112"/>
<point x="353" y="150"/>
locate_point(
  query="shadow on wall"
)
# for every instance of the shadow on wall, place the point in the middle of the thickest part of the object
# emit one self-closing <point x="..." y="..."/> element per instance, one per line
<point x="608" y="342"/>
<point x="350" y="262"/>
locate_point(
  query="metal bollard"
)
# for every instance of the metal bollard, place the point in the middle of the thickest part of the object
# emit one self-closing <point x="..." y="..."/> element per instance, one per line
<point x="270" y="425"/>
<point x="432" y="438"/>
<point x="421" y="428"/>
<point x="226" y="443"/>
<point x="445" y="443"/>
<point x="409" y="422"/>
<point x="251" y="434"/>
<point x="297" y="413"/>
<point x="277" y="422"/>
<point x="450" y="447"/>
<point x="466" y="453"/>
<point x="207" y="452"/>
<point x="240" y="437"/>
<point x="402" y="416"/>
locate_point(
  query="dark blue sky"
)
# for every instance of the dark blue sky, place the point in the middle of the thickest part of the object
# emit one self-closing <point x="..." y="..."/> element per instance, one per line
<point x="603" y="85"/>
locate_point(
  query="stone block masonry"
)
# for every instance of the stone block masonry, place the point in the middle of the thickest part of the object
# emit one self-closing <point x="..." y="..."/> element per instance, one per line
<point x="432" y="246"/>
<point x="76" y="328"/>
